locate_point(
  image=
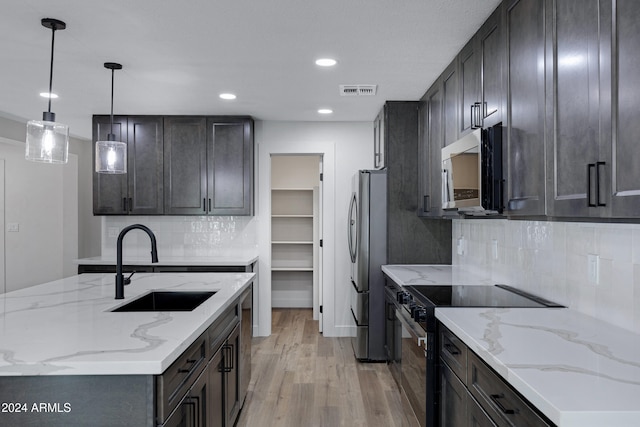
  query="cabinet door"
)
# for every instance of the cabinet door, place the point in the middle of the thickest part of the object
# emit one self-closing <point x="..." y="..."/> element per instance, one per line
<point x="477" y="417"/>
<point x="470" y="80"/>
<point x="230" y="161"/>
<point x="424" y="159"/>
<point x="246" y="332"/>
<point x="450" y="104"/>
<point x="109" y="190"/>
<point x="578" y="122"/>
<point x="525" y="108"/>
<point x="145" y="165"/>
<point x="215" y="398"/>
<point x="198" y="400"/>
<point x="492" y="47"/>
<point x="379" y="140"/>
<point x="430" y="116"/>
<point x="453" y="399"/>
<point x="185" y="165"/>
<point x="232" y="376"/>
<point x="625" y="197"/>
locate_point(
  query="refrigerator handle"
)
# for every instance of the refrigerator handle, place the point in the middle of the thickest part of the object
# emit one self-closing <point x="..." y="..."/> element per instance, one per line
<point x="353" y="244"/>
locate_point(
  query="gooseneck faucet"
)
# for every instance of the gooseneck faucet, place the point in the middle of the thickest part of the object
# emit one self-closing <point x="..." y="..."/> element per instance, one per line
<point x="120" y="280"/>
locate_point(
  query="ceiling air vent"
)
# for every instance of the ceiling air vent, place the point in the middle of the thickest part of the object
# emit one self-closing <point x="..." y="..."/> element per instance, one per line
<point x="357" y="90"/>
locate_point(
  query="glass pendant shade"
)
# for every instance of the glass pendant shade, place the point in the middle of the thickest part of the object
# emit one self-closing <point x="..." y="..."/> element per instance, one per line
<point x="111" y="157"/>
<point x="47" y="142"/>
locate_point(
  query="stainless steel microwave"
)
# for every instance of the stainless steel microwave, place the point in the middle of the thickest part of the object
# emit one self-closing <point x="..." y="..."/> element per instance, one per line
<point x="472" y="173"/>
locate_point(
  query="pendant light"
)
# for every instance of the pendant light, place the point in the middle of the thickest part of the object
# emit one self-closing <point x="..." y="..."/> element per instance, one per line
<point x="111" y="155"/>
<point x="48" y="141"/>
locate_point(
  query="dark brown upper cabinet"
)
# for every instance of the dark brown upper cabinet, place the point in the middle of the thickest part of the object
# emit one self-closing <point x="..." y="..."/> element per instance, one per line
<point x="526" y="179"/>
<point x="208" y="168"/>
<point x="140" y="190"/>
<point x="481" y="76"/>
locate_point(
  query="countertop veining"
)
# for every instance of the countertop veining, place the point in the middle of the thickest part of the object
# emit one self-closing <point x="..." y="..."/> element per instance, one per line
<point x="66" y="327"/>
<point x="577" y="370"/>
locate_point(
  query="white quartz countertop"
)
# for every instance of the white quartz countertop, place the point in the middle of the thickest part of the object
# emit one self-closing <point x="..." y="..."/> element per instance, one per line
<point x="231" y="259"/>
<point x="577" y="370"/>
<point x="417" y="274"/>
<point x="66" y="327"/>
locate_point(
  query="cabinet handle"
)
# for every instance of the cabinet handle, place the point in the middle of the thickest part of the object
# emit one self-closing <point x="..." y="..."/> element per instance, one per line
<point x="204" y="204"/>
<point x="598" y="164"/>
<point x="231" y="353"/>
<point x="209" y="205"/>
<point x="495" y="397"/>
<point x="472" y="113"/>
<point x="124" y="204"/>
<point x="130" y="204"/>
<point x="590" y="166"/>
<point x="425" y="204"/>
<point x="452" y="349"/>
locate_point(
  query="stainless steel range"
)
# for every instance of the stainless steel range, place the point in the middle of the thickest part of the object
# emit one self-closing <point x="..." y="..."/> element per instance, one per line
<point x="411" y="338"/>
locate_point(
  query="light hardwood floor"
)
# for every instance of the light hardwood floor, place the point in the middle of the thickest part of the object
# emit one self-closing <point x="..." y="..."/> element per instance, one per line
<point x="299" y="378"/>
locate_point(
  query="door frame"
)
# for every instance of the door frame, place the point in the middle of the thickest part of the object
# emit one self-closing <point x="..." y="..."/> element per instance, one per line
<point x="326" y="150"/>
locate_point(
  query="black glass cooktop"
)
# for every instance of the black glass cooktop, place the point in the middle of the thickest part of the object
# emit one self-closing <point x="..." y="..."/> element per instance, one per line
<point x="476" y="296"/>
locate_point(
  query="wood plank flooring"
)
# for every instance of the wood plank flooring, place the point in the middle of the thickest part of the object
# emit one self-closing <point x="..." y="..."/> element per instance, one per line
<point x="299" y="378"/>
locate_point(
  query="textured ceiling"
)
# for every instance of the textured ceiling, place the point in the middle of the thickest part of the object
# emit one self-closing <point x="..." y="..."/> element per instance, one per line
<point x="179" y="55"/>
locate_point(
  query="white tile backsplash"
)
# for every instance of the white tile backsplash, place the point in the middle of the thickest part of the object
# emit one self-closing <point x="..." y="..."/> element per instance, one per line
<point x="182" y="235"/>
<point x="550" y="259"/>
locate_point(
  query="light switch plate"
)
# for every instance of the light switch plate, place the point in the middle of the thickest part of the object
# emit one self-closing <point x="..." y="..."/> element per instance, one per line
<point x="112" y="231"/>
<point x="13" y="227"/>
<point x="494" y="249"/>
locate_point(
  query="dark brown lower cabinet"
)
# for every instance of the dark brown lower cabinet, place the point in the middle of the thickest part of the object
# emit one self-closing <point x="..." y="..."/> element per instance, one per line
<point x="454" y="398"/>
<point x="473" y="395"/>
<point x="205" y="386"/>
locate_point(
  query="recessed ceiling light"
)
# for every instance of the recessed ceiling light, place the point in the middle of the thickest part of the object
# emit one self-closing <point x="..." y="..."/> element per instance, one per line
<point x="47" y="95"/>
<point x="326" y="62"/>
<point x="325" y="111"/>
<point x="227" y="96"/>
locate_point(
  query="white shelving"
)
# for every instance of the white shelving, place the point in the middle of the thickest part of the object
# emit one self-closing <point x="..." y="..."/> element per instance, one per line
<point x="294" y="231"/>
<point x="292" y="268"/>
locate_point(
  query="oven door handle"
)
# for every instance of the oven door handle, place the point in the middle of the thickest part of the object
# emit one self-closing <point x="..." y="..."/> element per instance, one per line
<point x="413" y="328"/>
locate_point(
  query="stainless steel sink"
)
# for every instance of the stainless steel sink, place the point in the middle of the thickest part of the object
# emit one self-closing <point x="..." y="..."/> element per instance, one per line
<point x="166" y="301"/>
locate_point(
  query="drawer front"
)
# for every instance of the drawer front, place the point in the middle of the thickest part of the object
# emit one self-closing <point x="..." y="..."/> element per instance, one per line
<point x="498" y="399"/>
<point x="221" y="328"/>
<point x="454" y="352"/>
<point x="174" y="383"/>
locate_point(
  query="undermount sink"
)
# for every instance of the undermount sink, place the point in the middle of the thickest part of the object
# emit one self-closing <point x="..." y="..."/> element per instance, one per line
<point x="166" y="301"/>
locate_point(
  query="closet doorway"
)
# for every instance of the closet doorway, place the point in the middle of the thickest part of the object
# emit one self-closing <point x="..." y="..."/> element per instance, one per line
<point x="296" y="230"/>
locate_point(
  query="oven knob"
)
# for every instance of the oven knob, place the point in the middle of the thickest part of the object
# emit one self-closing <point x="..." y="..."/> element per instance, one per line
<point x="420" y="314"/>
<point x="404" y="297"/>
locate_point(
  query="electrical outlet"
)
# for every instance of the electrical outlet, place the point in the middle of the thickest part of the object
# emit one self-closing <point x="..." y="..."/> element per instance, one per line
<point x="13" y="227"/>
<point x="461" y="246"/>
<point x="112" y="231"/>
<point x="593" y="268"/>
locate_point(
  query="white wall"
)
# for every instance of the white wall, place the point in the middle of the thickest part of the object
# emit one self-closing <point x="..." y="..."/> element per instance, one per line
<point x="551" y="259"/>
<point x="42" y="200"/>
<point x="346" y="147"/>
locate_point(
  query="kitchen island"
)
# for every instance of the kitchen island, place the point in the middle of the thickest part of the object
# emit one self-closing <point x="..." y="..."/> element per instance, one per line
<point x="65" y="351"/>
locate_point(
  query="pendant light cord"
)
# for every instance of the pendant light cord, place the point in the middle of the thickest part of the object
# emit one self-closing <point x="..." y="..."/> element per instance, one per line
<point x="53" y="38"/>
<point x="112" y="74"/>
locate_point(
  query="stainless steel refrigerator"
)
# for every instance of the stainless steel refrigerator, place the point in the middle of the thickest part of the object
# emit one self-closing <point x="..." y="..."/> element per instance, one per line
<point x="368" y="249"/>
